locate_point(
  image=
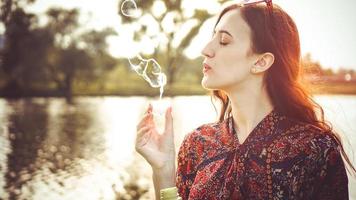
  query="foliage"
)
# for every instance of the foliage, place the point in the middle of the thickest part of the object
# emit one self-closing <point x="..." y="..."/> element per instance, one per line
<point x="51" y="57"/>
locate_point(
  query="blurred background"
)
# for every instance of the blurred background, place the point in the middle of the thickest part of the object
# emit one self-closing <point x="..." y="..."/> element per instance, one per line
<point x="70" y="101"/>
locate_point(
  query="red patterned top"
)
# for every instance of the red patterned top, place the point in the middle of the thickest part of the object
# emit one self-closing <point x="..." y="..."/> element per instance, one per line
<point x="280" y="159"/>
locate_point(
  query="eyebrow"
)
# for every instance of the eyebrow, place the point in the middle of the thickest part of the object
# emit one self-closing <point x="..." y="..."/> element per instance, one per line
<point x="223" y="31"/>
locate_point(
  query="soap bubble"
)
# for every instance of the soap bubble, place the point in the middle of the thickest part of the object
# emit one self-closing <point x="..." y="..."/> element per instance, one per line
<point x="150" y="70"/>
<point x="154" y="75"/>
<point x="138" y="64"/>
<point x="129" y="9"/>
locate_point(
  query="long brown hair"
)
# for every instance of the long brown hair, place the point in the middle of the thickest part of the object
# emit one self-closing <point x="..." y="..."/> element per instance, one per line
<point x="274" y="31"/>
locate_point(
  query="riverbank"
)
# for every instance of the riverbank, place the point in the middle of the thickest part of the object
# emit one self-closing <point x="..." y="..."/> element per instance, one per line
<point x="342" y="88"/>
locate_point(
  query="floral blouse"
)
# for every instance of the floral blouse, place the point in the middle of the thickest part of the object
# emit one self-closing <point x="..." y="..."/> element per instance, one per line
<point x="280" y="159"/>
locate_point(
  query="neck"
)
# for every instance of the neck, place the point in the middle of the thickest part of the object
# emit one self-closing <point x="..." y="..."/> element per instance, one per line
<point x="249" y="107"/>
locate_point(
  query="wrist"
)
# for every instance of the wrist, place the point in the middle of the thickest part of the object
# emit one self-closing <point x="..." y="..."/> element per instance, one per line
<point x="168" y="168"/>
<point x="164" y="178"/>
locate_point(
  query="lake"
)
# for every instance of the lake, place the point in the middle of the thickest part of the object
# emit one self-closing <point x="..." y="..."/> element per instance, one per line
<point x="51" y="150"/>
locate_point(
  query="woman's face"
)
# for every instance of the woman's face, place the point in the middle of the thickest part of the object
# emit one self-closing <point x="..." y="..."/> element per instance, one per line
<point x="227" y="64"/>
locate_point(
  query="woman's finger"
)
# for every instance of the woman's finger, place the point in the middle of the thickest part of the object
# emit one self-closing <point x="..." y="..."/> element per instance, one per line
<point x="142" y="131"/>
<point x="146" y="138"/>
<point x="150" y="108"/>
<point x="143" y="121"/>
<point x="145" y="117"/>
<point x="168" y="128"/>
<point x="142" y="138"/>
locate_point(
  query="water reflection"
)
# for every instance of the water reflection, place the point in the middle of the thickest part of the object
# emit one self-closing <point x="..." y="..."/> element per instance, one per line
<point x="58" y="151"/>
<point x="25" y="139"/>
<point x="52" y="150"/>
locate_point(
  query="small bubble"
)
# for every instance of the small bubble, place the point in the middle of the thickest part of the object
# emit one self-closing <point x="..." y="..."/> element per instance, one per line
<point x="129" y="9"/>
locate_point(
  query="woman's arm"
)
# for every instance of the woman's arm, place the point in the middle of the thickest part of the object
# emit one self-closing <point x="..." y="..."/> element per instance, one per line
<point x="163" y="178"/>
<point x="157" y="149"/>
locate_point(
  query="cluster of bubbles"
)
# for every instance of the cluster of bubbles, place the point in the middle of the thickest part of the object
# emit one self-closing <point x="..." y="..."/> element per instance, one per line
<point x="149" y="69"/>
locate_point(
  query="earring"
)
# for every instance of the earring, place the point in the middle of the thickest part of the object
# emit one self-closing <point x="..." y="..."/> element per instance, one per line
<point x="254" y="70"/>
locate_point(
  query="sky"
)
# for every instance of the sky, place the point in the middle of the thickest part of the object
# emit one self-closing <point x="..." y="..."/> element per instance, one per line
<point x="327" y="28"/>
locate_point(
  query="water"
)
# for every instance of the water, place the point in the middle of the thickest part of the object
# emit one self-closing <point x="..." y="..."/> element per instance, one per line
<point x="51" y="150"/>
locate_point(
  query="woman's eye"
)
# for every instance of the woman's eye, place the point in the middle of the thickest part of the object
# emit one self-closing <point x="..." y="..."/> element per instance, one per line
<point x="223" y="43"/>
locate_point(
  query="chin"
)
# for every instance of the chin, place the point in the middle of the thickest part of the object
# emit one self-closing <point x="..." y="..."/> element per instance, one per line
<point x="206" y="84"/>
<point x="224" y="85"/>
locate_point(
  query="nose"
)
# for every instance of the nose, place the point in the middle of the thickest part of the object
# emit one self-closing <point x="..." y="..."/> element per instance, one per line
<point x="208" y="51"/>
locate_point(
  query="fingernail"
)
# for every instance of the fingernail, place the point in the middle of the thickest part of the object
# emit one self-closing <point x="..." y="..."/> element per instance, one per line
<point x="149" y="108"/>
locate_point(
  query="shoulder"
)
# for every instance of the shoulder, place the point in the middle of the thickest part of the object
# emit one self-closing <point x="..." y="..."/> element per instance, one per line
<point x="192" y="147"/>
<point x="196" y="142"/>
<point x="202" y="133"/>
<point x="310" y="138"/>
<point x="315" y="136"/>
<point x="295" y="138"/>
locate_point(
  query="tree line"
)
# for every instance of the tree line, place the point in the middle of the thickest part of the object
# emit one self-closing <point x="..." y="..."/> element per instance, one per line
<point x="47" y="59"/>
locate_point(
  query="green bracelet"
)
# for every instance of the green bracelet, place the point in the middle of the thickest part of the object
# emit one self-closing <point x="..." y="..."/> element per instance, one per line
<point x="169" y="194"/>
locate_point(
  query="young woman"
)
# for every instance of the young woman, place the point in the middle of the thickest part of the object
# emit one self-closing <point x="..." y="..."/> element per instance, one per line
<point x="269" y="142"/>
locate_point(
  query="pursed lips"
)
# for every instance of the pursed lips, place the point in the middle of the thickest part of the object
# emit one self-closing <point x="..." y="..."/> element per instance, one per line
<point x="206" y="67"/>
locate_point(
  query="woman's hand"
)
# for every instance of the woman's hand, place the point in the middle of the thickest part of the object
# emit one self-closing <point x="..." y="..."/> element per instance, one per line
<point x="157" y="149"/>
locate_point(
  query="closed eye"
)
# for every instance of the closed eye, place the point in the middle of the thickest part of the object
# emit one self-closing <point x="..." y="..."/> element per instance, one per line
<point x="224" y="39"/>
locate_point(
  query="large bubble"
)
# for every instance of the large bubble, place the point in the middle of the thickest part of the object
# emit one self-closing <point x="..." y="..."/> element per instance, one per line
<point x="150" y="70"/>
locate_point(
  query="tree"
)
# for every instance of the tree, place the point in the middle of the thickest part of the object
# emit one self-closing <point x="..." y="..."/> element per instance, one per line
<point x="38" y="59"/>
<point x="17" y="56"/>
<point x="7" y="7"/>
<point x="76" y="55"/>
<point x="25" y="48"/>
<point x="168" y="54"/>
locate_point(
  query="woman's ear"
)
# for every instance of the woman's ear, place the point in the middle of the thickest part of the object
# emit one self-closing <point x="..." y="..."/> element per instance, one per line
<point x="264" y="62"/>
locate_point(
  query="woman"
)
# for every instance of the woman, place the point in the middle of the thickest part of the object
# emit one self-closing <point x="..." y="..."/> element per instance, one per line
<point x="268" y="142"/>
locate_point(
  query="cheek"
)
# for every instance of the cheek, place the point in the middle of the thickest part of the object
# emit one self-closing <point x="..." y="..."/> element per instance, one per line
<point x="234" y="62"/>
<point x="226" y="76"/>
<point x="232" y="67"/>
